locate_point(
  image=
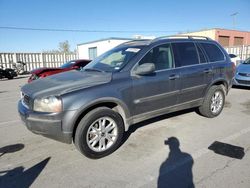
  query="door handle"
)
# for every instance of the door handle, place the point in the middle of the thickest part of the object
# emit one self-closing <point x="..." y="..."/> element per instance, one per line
<point x="207" y="71"/>
<point x="174" y="77"/>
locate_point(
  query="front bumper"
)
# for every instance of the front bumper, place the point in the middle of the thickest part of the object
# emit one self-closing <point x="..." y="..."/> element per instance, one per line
<point x="45" y="124"/>
<point x="241" y="81"/>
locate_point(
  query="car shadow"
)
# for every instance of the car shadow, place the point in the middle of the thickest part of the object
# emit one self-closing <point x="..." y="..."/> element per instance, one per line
<point x="19" y="177"/>
<point x="176" y="170"/>
<point x="241" y="87"/>
<point x="15" y="78"/>
<point x="11" y="149"/>
<point x="136" y="126"/>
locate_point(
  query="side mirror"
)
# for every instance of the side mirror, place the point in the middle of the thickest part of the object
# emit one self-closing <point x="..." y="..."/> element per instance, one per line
<point x="145" y="68"/>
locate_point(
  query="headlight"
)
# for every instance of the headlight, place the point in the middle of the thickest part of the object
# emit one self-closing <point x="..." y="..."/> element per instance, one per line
<point x="48" y="104"/>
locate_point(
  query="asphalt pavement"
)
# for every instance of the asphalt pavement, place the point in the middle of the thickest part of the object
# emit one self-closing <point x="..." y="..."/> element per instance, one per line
<point x="180" y="149"/>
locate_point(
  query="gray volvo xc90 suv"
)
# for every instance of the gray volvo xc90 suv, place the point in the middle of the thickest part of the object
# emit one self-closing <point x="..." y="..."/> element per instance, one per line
<point x="132" y="82"/>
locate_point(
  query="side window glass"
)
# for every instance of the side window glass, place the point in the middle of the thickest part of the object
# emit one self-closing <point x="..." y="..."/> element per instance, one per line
<point x="82" y="64"/>
<point x="201" y="55"/>
<point x="185" y="54"/>
<point x="213" y="52"/>
<point x="161" y="56"/>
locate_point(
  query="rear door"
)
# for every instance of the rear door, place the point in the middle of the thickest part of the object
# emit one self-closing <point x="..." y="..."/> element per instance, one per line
<point x="194" y="70"/>
<point x="217" y="60"/>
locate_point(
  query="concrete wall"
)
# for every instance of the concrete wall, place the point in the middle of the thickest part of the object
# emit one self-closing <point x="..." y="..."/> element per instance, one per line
<point x="102" y="46"/>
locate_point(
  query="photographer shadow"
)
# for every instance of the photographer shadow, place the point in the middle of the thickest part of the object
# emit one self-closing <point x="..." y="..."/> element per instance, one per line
<point x="176" y="171"/>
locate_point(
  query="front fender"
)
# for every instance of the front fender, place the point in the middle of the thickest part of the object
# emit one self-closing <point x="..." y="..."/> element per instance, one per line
<point x="121" y="108"/>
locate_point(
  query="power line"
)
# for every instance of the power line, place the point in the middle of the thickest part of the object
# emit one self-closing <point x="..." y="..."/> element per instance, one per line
<point x="80" y="30"/>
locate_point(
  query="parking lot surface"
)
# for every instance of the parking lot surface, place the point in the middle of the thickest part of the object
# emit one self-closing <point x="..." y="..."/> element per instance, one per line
<point x="174" y="150"/>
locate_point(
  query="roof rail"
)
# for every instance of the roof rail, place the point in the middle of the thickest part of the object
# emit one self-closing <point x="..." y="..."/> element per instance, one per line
<point x="182" y="36"/>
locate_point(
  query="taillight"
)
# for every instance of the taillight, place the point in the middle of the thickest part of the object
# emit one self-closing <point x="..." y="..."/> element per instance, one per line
<point x="233" y="67"/>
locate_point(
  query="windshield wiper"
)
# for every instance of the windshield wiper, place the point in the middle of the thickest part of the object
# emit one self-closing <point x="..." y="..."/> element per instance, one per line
<point x="92" y="69"/>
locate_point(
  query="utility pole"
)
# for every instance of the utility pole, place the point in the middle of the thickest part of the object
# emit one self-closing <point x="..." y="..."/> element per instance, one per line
<point x="234" y="19"/>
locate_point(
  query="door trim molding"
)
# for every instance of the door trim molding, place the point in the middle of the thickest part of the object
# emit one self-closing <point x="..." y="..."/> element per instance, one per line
<point x="155" y="97"/>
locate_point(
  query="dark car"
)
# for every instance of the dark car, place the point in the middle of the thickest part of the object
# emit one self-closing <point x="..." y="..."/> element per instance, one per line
<point x="44" y="72"/>
<point x="242" y="76"/>
<point x="135" y="81"/>
<point x="7" y="73"/>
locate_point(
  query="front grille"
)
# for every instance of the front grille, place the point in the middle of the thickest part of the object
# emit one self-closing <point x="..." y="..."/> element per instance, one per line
<point x="244" y="74"/>
<point x="26" y="100"/>
<point x="246" y="82"/>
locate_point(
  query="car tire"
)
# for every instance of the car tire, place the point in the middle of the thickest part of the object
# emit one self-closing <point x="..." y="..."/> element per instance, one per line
<point x="10" y="77"/>
<point x="94" y="126"/>
<point x="213" y="102"/>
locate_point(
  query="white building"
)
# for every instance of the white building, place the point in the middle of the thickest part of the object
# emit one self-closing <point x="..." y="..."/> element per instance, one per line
<point x="90" y="50"/>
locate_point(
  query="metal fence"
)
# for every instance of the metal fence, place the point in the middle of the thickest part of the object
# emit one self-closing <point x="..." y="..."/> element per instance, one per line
<point x="35" y="60"/>
<point x="242" y="51"/>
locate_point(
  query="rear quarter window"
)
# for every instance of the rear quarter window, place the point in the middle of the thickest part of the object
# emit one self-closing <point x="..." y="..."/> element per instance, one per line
<point x="213" y="52"/>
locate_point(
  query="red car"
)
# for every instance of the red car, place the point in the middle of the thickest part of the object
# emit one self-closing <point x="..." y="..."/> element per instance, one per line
<point x="70" y="65"/>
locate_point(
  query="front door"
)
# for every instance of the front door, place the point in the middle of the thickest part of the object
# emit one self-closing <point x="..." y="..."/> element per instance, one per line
<point x="157" y="91"/>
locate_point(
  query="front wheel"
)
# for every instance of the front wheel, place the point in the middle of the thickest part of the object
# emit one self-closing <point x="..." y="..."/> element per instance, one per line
<point x="213" y="102"/>
<point x="99" y="133"/>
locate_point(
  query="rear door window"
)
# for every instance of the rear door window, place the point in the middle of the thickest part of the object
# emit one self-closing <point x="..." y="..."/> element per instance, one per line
<point x="213" y="52"/>
<point x="185" y="54"/>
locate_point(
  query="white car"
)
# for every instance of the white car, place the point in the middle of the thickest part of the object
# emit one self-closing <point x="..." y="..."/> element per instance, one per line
<point x="235" y="59"/>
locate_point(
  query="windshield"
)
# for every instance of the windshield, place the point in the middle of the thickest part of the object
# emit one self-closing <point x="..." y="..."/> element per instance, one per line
<point x="68" y="64"/>
<point x="113" y="60"/>
<point x="247" y="61"/>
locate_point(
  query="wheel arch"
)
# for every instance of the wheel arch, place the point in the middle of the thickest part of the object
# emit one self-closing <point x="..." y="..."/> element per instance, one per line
<point x="222" y="82"/>
<point x="111" y="103"/>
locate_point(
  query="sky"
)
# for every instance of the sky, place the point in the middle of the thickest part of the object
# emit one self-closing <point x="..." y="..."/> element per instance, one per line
<point x="98" y="19"/>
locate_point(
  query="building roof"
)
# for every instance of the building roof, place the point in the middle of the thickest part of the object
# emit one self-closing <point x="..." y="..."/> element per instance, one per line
<point x="110" y="38"/>
<point x="216" y="28"/>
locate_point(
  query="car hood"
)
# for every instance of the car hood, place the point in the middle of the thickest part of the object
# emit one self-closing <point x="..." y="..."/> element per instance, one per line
<point x="65" y="82"/>
<point x="244" y="68"/>
<point x="45" y="69"/>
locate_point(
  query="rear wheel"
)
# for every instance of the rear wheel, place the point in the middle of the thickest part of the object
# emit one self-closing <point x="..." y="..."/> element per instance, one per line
<point x="213" y="102"/>
<point x="99" y="133"/>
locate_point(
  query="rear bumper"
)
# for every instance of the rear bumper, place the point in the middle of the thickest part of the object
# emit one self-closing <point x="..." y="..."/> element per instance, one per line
<point x="45" y="124"/>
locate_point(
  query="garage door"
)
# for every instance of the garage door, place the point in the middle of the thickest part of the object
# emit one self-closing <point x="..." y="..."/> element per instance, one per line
<point x="224" y="40"/>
